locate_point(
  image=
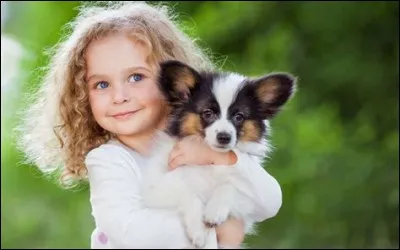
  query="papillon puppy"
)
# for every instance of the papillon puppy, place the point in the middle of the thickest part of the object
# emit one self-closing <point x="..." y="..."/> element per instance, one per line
<point x="229" y="111"/>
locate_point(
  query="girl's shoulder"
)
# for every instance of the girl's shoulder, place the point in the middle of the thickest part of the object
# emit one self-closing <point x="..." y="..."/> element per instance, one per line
<point x="113" y="152"/>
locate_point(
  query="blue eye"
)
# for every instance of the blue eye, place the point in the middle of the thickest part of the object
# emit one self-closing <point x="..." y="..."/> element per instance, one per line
<point x="102" y="85"/>
<point x="135" y="77"/>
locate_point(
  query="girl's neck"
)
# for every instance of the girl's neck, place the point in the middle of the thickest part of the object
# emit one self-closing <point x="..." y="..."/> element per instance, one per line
<point x="140" y="142"/>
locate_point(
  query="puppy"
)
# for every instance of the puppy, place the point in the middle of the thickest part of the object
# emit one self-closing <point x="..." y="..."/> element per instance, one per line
<point x="230" y="112"/>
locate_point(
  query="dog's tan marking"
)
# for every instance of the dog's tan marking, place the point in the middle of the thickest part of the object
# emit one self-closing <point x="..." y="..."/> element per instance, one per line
<point x="250" y="131"/>
<point x="184" y="80"/>
<point x="268" y="90"/>
<point x="191" y="125"/>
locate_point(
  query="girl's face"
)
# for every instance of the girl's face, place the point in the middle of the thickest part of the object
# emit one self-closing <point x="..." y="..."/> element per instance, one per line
<point x="123" y="92"/>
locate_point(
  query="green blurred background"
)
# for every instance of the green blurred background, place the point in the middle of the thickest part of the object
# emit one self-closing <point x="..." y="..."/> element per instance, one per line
<point x="336" y="142"/>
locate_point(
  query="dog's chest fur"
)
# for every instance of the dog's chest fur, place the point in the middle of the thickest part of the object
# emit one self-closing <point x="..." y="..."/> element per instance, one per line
<point x="161" y="187"/>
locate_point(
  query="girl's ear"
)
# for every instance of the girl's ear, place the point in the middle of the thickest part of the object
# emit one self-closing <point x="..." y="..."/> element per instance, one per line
<point x="177" y="79"/>
<point x="273" y="91"/>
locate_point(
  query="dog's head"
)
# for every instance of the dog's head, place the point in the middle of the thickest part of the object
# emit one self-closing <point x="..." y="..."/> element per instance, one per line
<point x="224" y="108"/>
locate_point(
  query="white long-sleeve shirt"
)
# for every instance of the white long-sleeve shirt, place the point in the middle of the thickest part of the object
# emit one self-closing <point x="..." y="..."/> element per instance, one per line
<point x="114" y="173"/>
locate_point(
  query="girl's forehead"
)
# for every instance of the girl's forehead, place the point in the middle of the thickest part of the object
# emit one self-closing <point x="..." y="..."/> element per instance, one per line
<point x="117" y="51"/>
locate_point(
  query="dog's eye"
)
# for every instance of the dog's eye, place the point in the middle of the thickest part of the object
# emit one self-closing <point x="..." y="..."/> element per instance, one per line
<point x="208" y="114"/>
<point x="239" y="117"/>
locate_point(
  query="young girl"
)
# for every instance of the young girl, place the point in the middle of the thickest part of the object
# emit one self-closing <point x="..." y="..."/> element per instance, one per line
<point x="97" y="111"/>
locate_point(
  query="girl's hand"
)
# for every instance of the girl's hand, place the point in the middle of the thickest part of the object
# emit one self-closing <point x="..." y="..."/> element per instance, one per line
<point x="194" y="150"/>
<point x="230" y="234"/>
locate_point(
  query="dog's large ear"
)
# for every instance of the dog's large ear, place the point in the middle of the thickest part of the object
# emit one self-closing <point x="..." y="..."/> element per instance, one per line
<point x="177" y="79"/>
<point x="273" y="91"/>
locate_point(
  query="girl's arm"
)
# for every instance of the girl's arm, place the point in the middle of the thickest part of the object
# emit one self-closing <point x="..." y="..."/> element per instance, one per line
<point x="261" y="187"/>
<point x="116" y="206"/>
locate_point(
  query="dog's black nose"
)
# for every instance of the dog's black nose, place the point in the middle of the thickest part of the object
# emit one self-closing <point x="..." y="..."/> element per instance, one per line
<point x="223" y="138"/>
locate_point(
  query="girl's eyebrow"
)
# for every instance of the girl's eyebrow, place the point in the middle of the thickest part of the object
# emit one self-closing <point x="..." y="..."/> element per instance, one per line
<point x="95" y="76"/>
<point x="134" y="68"/>
<point x="125" y="71"/>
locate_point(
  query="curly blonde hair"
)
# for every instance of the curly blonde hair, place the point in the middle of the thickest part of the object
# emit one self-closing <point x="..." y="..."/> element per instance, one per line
<point x="58" y="129"/>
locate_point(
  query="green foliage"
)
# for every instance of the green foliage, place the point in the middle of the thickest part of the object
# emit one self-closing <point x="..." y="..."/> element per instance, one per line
<point x="336" y="143"/>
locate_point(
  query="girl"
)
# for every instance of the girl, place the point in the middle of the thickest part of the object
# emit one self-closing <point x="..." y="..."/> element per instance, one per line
<point x="97" y="111"/>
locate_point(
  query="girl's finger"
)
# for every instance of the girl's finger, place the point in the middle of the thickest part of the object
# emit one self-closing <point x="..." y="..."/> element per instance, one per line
<point x="174" y="153"/>
<point x="176" y="162"/>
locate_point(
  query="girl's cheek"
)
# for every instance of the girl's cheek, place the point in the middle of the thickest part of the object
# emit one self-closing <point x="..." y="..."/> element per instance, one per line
<point x="98" y="104"/>
<point x="151" y="94"/>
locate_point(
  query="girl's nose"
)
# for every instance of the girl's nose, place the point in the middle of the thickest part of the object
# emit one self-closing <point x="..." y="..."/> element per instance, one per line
<point x="121" y="94"/>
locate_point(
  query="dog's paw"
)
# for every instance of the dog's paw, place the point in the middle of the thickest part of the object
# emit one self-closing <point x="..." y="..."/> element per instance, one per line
<point x="197" y="233"/>
<point x="214" y="216"/>
<point x="199" y="238"/>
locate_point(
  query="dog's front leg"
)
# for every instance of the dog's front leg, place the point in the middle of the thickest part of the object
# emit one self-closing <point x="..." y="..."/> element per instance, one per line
<point x="192" y="210"/>
<point x="219" y="205"/>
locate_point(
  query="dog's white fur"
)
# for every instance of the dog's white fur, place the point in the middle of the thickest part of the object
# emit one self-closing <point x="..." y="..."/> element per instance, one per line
<point x="200" y="193"/>
<point x="225" y="91"/>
